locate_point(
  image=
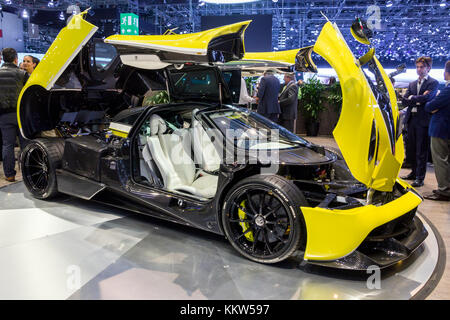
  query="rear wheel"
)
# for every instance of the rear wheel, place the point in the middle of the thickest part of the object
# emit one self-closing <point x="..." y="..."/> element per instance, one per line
<point x="262" y="218"/>
<point x="39" y="160"/>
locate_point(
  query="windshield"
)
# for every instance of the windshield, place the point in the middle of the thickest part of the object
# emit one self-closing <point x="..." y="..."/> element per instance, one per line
<point x="250" y="130"/>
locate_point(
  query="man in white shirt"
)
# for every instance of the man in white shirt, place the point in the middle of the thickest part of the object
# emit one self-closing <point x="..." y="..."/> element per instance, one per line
<point x="244" y="97"/>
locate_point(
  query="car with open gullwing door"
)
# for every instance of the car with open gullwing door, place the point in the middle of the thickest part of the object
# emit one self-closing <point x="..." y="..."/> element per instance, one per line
<point x="147" y="123"/>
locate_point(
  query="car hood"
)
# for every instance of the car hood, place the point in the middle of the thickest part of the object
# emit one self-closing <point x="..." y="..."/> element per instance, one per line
<point x="367" y="132"/>
<point x="304" y="156"/>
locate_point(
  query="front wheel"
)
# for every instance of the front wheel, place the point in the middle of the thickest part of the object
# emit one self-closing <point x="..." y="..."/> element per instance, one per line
<point x="262" y="218"/>
<point x="39" y="160"/>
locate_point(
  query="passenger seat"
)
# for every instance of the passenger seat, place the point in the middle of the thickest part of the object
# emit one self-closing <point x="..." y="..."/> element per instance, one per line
<point x="205" y="154"/>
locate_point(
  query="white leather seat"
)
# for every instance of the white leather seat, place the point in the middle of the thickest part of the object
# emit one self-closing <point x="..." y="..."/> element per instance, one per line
<point x="171" y="153"/>
<point x="205" y="154"/>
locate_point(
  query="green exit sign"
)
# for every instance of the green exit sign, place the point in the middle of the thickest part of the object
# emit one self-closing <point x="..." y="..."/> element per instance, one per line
<point x="129" y="24"/>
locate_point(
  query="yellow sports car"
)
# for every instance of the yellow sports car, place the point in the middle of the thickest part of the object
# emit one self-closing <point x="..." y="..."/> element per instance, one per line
<point x="144" y="122"/>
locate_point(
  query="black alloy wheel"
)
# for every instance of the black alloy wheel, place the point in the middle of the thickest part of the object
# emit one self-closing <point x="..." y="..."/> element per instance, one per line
<point x="39" y="160"/>
<point x="36" y="168"/>
<point x="262" y="218"/>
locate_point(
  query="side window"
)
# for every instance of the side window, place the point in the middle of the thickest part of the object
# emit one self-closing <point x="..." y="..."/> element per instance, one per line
<point x="233" y="80"/>
<point x="104" y="56"/>
<point x="201" y="82"/>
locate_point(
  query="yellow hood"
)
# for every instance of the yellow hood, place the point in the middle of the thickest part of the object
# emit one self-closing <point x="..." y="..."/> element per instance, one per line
<point x="367" y="130"/>
<point x="215" y="45"/>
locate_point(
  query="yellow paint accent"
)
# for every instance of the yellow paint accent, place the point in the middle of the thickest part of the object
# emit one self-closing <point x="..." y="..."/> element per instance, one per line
<point x="367" y="57"/>
<point x="63" y="50"/>
<point x="359" y="109"/>
<point x="199" y="40"/>
<point x="386" y="172"/>
<point x="333" y="234"/>
<point x="359" y="39"/>
<point x="287" y="56"/>
<point x="245" y="225"/>
<point x="119" y="133"/>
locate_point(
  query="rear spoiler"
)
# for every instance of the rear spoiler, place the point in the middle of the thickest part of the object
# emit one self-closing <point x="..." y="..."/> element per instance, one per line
<point x="218" y="45"/>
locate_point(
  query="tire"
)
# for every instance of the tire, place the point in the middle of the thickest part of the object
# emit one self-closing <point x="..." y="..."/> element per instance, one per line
<point x="261" y="218"/>
<point x="39" y="161"/>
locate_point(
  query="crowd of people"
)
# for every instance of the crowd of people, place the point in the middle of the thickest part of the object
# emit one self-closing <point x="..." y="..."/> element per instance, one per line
<point x="275" y="102"/>
<point x="12" y="79"/>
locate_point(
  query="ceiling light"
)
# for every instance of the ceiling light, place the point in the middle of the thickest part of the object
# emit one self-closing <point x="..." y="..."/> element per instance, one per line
<point x="73" y="9"/>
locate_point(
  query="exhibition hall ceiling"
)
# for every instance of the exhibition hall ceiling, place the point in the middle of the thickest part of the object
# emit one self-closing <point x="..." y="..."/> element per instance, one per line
<point x="404" y="29"/>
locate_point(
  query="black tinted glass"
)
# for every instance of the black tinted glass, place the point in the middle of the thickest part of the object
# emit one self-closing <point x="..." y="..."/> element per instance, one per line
<point x="104" y="55"/>
<point x="199" y="83"/>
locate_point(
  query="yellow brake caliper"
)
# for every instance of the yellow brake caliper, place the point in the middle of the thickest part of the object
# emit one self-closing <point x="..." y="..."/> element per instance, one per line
<point x="245" y="225"/>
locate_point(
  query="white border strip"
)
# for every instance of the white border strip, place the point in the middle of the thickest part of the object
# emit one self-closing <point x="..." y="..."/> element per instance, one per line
<point x="120" y="127"/>
<point x="182" y="50"/>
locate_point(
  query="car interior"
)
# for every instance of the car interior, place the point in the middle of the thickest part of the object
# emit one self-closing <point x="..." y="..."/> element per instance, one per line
<point x="177" y="154"/>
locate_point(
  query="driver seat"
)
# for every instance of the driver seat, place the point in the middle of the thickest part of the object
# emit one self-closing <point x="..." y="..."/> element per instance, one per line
<point x="171" y="153"/>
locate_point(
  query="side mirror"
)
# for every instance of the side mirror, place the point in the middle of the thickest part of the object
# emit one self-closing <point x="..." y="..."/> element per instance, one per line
<point x="401" y="68"/>
<point x="303" y="60"/>
<point x="361" y="32"/>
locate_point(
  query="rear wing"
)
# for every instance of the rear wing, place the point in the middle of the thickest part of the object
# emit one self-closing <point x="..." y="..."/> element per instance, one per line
<point x="217" y="45"/>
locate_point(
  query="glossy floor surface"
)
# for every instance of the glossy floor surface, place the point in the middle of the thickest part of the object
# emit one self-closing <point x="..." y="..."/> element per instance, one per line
<point x="74" y="249"/>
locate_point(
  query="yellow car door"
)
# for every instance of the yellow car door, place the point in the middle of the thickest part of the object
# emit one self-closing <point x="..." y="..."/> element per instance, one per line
<point x="220" y="44"/>
<point x="61" y="53"/>
<point x="367" y="132"/>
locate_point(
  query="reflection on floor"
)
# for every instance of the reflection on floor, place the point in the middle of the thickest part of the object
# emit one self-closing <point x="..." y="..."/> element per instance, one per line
<point x="74" y="249"/>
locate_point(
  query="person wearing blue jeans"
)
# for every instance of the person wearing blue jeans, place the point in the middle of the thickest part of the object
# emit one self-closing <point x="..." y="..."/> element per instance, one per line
<point x="10" y="130"/>
<point x="12" y="80"/>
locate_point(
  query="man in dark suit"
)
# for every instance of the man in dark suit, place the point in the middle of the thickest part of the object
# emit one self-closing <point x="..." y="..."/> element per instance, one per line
<point x="12" y="80"/>
<point x="439" y="132"/>
<point x="288" y="102"/>
<point x="267" y="97"/>
<point x="418" y="94"/>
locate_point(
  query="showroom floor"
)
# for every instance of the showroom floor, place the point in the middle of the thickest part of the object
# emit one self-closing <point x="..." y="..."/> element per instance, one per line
<point x="125" y="238"/>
